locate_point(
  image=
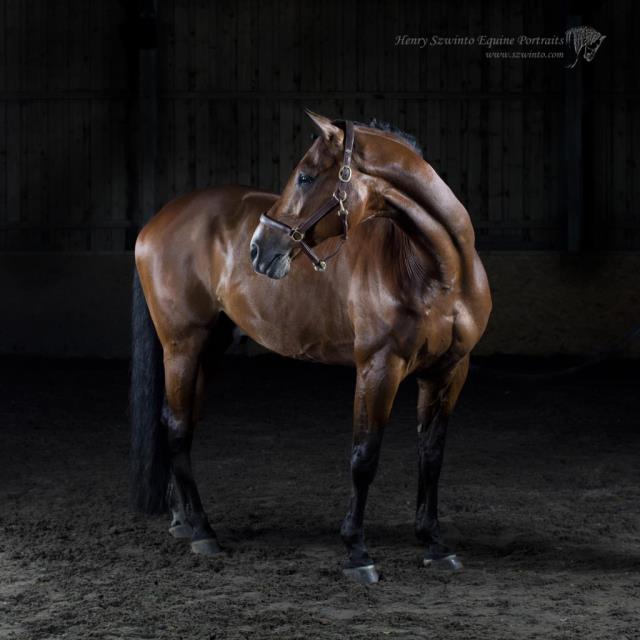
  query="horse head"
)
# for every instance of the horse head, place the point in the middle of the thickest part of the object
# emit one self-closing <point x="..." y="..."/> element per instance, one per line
<point x="324" y="189"/>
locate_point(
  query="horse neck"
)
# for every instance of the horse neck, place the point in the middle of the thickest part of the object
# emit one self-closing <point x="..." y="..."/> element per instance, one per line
<point x="424" y="207"/>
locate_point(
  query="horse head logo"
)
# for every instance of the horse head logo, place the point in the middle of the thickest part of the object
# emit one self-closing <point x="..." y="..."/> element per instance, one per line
<point x="585" y="40"/>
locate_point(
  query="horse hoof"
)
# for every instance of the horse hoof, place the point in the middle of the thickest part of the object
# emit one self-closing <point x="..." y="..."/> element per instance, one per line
<point x="446" y="563"/>
<point x="362" y="575"/>
<point x="206" y="547"/>
<point x="181" y="531"/>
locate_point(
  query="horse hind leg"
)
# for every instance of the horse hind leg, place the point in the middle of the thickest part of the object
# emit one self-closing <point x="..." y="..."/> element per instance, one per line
<point x="436" y="400"/>
<point x="180" y="526"/>
<point x="182" y="364"/>
<point x="186" y="366"/>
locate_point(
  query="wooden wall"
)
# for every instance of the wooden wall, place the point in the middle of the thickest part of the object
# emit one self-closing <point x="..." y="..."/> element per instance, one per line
<point x="65" y="100"/>
<point x="613" y="165"/>
<point x="233" y="78"/>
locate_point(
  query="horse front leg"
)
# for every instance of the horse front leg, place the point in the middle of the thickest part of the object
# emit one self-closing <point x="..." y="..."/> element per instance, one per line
<point x="378" y="378"/>
<point x="436" y="399"/>
<point x="181" y="363"/>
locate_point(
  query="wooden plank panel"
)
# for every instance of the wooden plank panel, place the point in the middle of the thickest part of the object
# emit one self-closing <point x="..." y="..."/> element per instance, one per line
<point x="245" y="46"/>
<point x="308" y="50"/>
<point x="164" y="166"/>
<point x="15" y="166"/>
<point x="286" y="143"/>
<point x="191" y="142"/>
<point x="4" y="32"/>
<point x="15" y="43"/>
<point x="182" y="183"/>
<point x="119" y="186"/>
<point x="166" y="16"/>
<point x="203" y="149"/>
<point x="473" y="138"/>
<point x="96" y="45"/>
<point x="73" y="161"/>
<point x="618" y="189"/>
<point x="495" y="192"/>
<point x="77" y="47"/>
<point x="532" y="171"/>
<point x="87" y="177"/>
<point x="32" y="186"/>
<point x="513" y="206"/>
<point x="227" y="46"/>
<point x="3" y="169"/>
<point x="204" y="58"/>
<point x="326" y="22"/>
<point x="495" y="154"/>
<point x="55" y="162"/>
<point x="452" y="144"/>
<point x="633" y="183"/>
<point x="100" y="171"/>
<point x="634" y="170"/>
<point x="534" y="203"/>
<point x="182" y="45"/>
<point x="349" y="66"/>
<point x="620" y="128"/>
<point x="244" y="142"/>
<point x="224" y="155"/>
<point x="555" y="219"/>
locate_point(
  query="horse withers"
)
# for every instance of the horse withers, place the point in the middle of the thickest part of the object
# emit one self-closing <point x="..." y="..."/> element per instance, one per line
<point x="366" y="259"/>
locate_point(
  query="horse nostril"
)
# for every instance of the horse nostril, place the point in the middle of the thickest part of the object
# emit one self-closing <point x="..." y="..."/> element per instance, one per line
<point x="254" y="251"/>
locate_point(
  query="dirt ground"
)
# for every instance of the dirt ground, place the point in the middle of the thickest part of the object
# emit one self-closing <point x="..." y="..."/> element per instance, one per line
<point x="540" y="496"/>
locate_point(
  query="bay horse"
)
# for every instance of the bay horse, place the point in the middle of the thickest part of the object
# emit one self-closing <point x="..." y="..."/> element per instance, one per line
<point x="401" y="290"/>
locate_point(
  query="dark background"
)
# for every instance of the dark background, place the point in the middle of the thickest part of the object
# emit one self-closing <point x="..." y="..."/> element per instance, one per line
<point x="110" y="109"/>
<point x="107" y="110"/>
<point x="214" y="92"/>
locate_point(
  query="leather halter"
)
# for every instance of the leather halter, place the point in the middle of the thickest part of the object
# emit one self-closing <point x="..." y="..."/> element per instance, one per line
<point x="337" y="199"/>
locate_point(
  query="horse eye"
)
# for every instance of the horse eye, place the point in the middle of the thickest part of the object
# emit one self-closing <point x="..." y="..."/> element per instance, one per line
<point x="304" y="178"/>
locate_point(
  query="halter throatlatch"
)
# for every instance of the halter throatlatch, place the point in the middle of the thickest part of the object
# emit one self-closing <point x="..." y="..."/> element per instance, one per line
<point x="337" y="199"/>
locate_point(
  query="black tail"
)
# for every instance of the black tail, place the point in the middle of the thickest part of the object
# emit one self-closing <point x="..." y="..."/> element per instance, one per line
<point x="149" y="457"/>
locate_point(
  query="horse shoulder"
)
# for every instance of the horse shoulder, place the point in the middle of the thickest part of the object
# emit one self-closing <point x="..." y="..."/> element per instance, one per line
<point x="174" y="253"/>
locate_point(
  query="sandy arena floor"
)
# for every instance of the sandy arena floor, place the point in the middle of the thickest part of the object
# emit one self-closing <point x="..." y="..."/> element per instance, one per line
<point x="540" y="495"/>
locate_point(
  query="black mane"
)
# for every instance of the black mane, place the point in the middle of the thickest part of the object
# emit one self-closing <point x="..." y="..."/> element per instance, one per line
<point x="381" y="125"/>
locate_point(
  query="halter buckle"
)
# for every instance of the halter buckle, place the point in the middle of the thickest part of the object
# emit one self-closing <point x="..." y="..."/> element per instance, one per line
<point x="297" y="235"/>
<point x="344" y="175"/>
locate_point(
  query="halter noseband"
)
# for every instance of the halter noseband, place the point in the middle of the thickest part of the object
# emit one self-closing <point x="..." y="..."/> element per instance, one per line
<point x="337" y="199"/>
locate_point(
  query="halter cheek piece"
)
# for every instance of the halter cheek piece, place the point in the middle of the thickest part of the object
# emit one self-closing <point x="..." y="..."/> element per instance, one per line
<point x="338" y="199"/>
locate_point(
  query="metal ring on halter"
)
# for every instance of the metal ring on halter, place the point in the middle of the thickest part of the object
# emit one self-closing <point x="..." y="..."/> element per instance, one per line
<point x="344" y="175"/>
<point x="296" y="235"/>
<point x="340" y="195"/>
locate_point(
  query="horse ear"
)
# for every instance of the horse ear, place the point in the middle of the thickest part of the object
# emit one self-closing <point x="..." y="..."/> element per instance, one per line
<point x="328" y="131"/>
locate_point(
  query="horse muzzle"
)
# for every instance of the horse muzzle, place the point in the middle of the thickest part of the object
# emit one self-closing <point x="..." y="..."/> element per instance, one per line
<point x="269" y="256"/>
